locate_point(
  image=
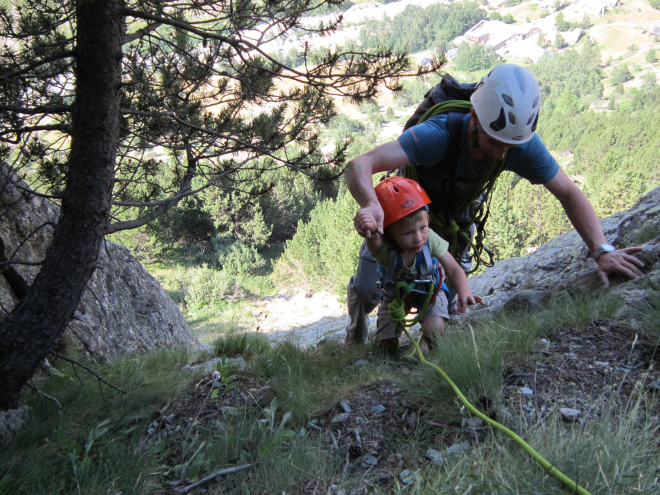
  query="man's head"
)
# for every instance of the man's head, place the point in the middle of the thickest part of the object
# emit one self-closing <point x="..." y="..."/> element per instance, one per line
<point x="404" y="206"/>
<point x="506" y="106"/>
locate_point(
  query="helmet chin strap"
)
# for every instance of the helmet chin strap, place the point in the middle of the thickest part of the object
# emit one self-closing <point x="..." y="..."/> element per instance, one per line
<point x="475" y="134"/>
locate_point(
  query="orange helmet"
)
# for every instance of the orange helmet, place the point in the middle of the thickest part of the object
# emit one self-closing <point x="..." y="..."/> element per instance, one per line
<point x="399" y="197"/>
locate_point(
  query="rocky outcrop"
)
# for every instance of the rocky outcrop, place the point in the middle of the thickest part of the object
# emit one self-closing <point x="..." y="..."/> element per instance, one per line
<point x="564" y="263"/>
<point x="123" y="309"/>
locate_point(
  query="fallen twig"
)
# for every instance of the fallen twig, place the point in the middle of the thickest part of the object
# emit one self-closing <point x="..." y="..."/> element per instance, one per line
<point x="58" y="356"/>
<point x="212" y="477"/>
<point x="56" y="403"/>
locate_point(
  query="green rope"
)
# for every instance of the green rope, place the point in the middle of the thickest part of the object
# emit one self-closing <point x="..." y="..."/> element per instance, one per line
<point x="398" y="314"/>
<point x="447" y="227"/>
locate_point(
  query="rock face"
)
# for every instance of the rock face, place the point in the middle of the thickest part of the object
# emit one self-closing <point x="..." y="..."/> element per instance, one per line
<point x="123" y="309"/>
<point x="564" y="263"/>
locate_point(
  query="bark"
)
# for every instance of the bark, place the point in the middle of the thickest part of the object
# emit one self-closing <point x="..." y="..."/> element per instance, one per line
<point x="41" y="316"/>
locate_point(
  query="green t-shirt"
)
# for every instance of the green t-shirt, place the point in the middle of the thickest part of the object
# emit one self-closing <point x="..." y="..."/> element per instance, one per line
<point x="437" y="246"/>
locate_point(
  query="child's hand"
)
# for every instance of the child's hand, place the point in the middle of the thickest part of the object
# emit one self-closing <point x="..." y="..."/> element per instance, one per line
<point x="465" y="300"/>
<point x="365" y="221"/>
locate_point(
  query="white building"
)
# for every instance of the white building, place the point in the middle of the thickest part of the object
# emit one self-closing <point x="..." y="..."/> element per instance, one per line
<point x="498" y="34"/>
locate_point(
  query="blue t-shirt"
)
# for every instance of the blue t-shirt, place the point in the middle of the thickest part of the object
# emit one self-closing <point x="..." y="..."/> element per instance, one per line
<point x="426" y="143"/>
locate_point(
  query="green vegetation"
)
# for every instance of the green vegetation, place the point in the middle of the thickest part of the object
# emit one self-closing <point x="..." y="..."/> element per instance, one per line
<point x="121" y="444"/>
<point x="473" y="58"/>
<point x="422" y="28"/>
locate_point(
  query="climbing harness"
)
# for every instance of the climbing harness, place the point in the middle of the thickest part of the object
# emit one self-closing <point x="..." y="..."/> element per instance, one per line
<point x="427" y="274"/>
<point x="445" y="219"/>
<point x="398" y="315"/>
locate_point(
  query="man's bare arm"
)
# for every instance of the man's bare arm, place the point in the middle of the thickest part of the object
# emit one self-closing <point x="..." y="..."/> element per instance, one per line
<point x="388" y="156"/>
<point x="584" y="219"/>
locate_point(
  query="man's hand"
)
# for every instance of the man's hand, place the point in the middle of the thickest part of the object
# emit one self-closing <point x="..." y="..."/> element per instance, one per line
<point x="369" y="222"/>
<point x="466" y="300"/>
<point x="620" y="261"/>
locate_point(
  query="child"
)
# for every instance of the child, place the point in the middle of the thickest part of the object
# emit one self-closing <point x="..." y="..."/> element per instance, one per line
<point x="403" y="255"/>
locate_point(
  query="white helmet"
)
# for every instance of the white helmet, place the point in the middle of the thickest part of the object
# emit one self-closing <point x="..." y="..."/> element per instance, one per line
<point x="507" y="102"/>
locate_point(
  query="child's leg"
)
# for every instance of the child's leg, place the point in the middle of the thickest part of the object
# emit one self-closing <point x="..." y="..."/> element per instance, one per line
<point x="433" y="324"/>
<point x="386" y="329"/>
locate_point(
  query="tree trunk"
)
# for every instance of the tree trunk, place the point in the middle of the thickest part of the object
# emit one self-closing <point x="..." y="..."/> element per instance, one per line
<point x="28" y="333"/>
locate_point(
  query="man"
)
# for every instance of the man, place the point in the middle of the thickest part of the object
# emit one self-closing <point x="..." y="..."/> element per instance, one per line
<point x="500" y="125"/>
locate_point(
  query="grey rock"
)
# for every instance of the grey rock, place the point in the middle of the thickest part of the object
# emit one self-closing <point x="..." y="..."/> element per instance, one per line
<point x="212" y="364"/>
<point x="408" y="477"/>
<point x="369" y="461"/>
<point x="229" y="411"/>
<point x="123" y="309"/>
<point x="340" y="418"/>
<point x="527" y="300"/>
<point x="335" y="490"/>
<point x="654" y="385"/>
<point x="344" y="405"/>
<point x="361" y="362"/>
<point x="378" y="409"/>
<point x="459" y="448"/>
<point x="526" y="391"/>
<point x="473" y="422"/>
<point x="563" y="263"/>
<point x="435" y="457"/>
<point x="12" y="421"/>
<point x="569" y="414"/>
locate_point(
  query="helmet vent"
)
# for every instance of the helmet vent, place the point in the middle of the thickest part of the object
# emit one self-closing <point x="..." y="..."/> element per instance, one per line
<point x="508" y="100"/>
<point x="512" y="118"/>
<point x="396" y="189"/>
<point x="531" y="118"/>
<point x="500" y="123"/>
<point x="536" y="121"/>
<point x="536" y="102"/>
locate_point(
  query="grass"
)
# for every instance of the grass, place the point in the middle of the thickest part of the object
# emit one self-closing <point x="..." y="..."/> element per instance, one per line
<point x="94" y="446"/>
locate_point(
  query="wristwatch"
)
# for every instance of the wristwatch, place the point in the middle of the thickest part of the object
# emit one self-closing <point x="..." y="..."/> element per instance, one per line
<point x="603" y="248"/>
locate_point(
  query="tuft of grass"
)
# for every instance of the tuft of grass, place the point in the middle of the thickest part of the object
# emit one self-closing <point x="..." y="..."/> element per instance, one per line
<point x="476" y="354"/>
<point x="93" y="444"/>
<point x="235" y="342"/>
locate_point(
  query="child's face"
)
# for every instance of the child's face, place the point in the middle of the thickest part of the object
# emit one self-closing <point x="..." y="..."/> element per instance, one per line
<point x="410" y="237"/>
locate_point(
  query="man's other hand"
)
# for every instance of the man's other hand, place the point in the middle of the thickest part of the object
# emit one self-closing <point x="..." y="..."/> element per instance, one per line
<point x="620" y="261"/>
<point x="369" y="221"/>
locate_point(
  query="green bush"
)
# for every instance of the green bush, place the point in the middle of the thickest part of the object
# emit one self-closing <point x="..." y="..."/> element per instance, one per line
<point x="208" y="287"/>
<point x="324" y="252"/>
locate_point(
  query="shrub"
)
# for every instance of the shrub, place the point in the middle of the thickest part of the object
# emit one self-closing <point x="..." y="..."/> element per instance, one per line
<point x="324" y="252"/>
<point x="207" y="287"/>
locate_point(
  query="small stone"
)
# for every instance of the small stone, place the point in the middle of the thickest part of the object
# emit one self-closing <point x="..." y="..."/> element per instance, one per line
<point x="404" y="371"/>
<point x="378" y="409"/>
<point x="216" y="384"/>
<point x="335" y="490"/>
<point x="340" y="418"/>
<point x="215" y="375"/>
<point x="473" y="422"/>
<point x="361" y="362"/>
<point x="601" y="363"/>
<point x="435" y="457"/>
<point x="345" y="406"/>
<point x="229" y="411"/>
<point x="654" y="385"/>
<point x="369" y="461"/>
<point x="459" y="448"/>
<point x="544" y="341"/>
<point x="526" y="391"/>
<point x="187" y="367"/>
<point x="407" y="477"/>
<point x="569" y="414"/>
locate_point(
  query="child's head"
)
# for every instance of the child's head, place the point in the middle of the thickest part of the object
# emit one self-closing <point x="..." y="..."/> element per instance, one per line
<point x="411" y="232"/>
<point x="404" y="205"/>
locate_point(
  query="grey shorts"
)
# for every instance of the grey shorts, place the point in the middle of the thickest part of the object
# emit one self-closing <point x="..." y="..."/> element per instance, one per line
<point x="387" y="329"/>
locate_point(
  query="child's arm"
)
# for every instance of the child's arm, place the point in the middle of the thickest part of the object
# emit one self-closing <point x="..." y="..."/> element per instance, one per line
<point x="456" y="274"/>
<point x="365" y="221"/>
